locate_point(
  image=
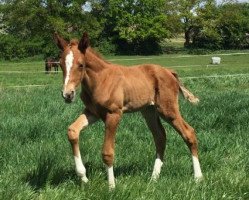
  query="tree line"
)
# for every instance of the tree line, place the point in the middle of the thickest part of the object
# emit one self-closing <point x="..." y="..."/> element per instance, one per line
<point x="121" y="26"/>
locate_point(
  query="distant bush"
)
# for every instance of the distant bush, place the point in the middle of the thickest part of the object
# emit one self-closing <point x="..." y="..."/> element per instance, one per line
<point x="145" y="47"/>
<point x="106" y="47"/>
<point x="228" y="29"/>
<point x="15" y="48"/>
<point x="207" y="40"/>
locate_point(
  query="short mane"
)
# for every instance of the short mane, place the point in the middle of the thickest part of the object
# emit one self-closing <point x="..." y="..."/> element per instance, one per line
<point x="73" y="42"/>
<point x="99" y="55"/>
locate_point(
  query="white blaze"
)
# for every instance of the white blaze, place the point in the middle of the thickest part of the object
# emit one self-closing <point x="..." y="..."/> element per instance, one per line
<point x="69" y="64"/>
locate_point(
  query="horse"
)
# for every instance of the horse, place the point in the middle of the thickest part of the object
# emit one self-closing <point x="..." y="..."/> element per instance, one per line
<point x="51" y="63"/>
<point x="109" y="90"/>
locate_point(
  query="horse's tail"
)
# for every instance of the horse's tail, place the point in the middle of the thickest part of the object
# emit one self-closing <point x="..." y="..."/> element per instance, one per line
<point x="185" y="92"/>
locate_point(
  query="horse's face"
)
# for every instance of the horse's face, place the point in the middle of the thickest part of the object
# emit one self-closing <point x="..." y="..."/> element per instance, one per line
<point x="72" y="63"/>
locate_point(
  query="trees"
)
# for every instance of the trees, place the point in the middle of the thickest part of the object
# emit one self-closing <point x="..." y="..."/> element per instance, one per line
<point x="33" y="22"/>
<point x="183" y="15"/>
<point x="188" y="16"/>
<point x="121" y="26"/>
<point x="136" y="25"/>
<point x="233" y="26"/>
<point x="206" y="34"/>
<point x="206" y="24"/>
<point x="224" y="26"/>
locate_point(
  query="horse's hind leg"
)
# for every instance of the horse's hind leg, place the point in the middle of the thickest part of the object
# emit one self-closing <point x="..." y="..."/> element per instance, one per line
<point x="153" y="121"/>
<point x="187" y="133"/>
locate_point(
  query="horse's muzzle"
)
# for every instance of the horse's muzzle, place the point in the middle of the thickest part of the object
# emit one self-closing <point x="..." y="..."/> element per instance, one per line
<point x="68" y="96"/>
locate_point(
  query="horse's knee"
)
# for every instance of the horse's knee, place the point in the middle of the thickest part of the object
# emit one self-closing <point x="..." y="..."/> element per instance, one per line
<point x="108" y="158"/>
<point x="73" y="135"/>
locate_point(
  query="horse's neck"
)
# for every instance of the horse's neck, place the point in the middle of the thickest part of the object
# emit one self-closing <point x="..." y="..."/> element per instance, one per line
<point x="93" y="62"/>
<point x="94" y="66"/>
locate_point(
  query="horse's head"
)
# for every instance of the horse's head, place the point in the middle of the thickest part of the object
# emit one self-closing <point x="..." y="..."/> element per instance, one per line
<point x="72" y="63"/>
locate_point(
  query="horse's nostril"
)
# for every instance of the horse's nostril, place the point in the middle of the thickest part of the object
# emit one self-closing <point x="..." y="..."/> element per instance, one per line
<point x="69" y="96"/>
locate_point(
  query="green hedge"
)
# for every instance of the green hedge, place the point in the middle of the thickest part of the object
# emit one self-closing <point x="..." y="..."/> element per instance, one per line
<point x="16" y="48"/>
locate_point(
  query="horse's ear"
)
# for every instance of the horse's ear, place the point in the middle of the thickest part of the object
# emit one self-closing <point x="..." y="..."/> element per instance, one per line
<point x="61" y="43"/>
<point x="84" y="42"/>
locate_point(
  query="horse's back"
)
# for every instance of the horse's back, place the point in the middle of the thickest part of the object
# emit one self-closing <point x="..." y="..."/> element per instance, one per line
<point x="155" y="75"/>
<point x="144" y="83"/>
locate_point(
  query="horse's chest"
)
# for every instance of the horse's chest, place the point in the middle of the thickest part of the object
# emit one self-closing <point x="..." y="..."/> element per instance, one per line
<point x="88" y="101"/>
<point x="100" y="104"/>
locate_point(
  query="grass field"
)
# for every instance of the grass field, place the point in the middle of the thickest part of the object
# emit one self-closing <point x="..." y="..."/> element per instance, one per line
<point x="36" y="161"/>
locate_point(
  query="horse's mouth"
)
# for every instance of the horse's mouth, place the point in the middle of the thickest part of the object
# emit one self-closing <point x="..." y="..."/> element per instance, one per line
<point x="68" y="100"/>
<point x="68" y="97"/>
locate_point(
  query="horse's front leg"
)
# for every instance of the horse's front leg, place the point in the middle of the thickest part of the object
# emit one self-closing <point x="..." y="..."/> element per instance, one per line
<point x="74" y="129"/>
<point x="111" y="124"/>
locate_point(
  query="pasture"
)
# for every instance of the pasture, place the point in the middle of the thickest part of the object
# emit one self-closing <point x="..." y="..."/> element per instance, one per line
<point x="36" y="161"/>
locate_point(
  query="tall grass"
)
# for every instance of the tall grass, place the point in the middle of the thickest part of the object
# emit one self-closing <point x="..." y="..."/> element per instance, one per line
<point x="36" y="161"/>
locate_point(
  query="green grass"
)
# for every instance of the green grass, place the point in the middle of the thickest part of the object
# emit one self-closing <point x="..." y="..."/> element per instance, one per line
<point x="36" y="161"/>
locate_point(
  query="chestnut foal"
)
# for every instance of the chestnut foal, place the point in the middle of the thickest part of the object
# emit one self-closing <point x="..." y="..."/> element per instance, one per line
<point x="109" y="90"/>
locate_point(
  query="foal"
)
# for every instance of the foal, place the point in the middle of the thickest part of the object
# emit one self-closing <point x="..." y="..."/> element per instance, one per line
<point x="109" y="90"/>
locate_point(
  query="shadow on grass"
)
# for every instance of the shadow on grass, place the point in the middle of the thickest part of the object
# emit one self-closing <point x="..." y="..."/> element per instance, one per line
<point x="39" y="177"/>
<point x="130" y="170"/>
<point x="47" y="173"/>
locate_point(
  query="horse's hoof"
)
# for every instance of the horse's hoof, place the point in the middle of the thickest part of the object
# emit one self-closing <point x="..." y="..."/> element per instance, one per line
<point x="111" y="187"/>
<point x="84" y="179"/>
<point x="199" y="179"/>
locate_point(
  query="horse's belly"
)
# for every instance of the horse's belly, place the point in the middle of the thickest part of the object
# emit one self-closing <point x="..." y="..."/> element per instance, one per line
<point x="138" y="96"/>
<point x="134" y="104"/>
<point x="136" y="107"/>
